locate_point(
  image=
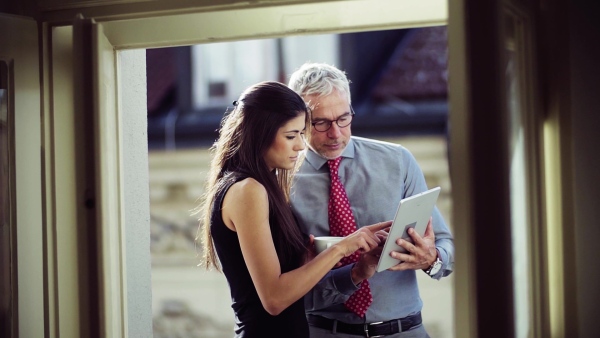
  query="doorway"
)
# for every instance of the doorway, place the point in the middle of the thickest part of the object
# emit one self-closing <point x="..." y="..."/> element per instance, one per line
<point x="399" y="95"/>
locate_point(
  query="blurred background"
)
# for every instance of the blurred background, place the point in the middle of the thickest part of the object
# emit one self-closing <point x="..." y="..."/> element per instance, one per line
<point x="399" y="93"/>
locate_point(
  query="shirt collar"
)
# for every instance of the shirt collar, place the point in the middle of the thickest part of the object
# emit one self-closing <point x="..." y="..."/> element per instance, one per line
<point x="317" y="161"/>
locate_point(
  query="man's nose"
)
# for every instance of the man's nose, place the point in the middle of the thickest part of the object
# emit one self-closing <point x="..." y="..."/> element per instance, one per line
<point x="335" y="131"/>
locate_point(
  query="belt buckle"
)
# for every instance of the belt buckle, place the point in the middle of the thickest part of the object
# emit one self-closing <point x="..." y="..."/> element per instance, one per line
<point x="367" y="330"/>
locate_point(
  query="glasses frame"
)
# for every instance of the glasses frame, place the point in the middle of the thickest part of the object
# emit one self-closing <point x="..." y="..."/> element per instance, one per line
<point x="352" y="113"/>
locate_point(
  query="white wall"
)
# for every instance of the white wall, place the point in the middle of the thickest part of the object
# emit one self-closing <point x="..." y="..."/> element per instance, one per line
<point x="296" y="51"/>
<point x="237" y="64"/>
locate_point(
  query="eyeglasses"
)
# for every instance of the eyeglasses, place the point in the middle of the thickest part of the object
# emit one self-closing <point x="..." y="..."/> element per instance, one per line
<point x="342" y="122"/>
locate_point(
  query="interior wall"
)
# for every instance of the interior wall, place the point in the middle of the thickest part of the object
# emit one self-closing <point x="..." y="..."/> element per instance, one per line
<point x="585" y="76"/>
<point x="21" y="51"/>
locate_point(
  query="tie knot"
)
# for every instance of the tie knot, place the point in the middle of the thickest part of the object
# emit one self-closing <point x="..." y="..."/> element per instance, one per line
<point x="334" y="164"/>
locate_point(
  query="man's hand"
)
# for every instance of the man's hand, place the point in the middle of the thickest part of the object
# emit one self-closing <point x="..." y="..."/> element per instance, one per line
<point x="420" y="255"/>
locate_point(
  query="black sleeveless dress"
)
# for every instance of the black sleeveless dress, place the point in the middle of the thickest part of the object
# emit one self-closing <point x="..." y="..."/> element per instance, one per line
<point x="251" y="319"/>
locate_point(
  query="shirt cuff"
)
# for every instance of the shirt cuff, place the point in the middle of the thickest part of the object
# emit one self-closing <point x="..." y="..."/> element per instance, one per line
<point x="342" y="280"/>
<point x="443" y="256"/>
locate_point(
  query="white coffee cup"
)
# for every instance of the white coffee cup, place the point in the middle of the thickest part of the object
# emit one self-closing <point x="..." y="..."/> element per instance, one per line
<point x="324" y="242"/>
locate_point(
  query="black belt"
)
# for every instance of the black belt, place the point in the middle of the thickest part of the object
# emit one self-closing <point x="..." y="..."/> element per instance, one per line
<point x="367" y="330"/>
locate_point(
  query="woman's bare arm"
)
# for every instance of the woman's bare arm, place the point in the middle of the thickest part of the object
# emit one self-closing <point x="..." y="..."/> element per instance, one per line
<point x="246" y="211"/>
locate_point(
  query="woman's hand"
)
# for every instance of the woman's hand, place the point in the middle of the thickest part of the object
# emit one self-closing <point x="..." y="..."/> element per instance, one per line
<point x="364" y="239"/>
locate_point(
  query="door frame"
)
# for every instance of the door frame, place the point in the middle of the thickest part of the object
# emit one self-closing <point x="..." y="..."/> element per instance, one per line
<point x="194" y="27"/>
<point x="138" y="29"/>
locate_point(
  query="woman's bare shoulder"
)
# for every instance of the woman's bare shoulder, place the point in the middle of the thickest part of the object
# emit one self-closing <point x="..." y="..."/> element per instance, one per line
<point x="247" y="191"/>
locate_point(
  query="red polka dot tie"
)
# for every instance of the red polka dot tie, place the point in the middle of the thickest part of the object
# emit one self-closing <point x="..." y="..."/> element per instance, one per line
<point x="342" y="223"/>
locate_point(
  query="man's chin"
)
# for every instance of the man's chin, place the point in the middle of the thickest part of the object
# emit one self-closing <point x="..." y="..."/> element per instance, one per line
<point x="330" y="155"/>
<point x="327" y="153"/>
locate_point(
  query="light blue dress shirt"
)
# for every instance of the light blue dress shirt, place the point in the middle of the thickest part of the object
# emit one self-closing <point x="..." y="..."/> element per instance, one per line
<point x="376" y="176"/>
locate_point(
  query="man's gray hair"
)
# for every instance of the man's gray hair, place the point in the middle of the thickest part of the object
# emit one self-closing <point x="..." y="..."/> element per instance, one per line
<point x="319" y="79"/>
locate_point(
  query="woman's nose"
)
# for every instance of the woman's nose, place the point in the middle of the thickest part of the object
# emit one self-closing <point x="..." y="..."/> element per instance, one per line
<point x="301" y="144"/>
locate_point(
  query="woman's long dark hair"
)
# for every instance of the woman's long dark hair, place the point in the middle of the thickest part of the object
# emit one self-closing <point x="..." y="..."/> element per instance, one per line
<point x="245" y="135"/>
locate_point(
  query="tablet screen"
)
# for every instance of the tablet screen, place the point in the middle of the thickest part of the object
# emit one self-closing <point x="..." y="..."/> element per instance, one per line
<point x="413" y="212"/>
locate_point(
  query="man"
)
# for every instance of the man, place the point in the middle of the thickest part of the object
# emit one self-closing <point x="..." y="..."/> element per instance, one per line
<point x="375" y="177"/>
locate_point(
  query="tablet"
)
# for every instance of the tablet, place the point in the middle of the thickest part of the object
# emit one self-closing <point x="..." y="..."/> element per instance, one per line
<point x="413" y="212"/>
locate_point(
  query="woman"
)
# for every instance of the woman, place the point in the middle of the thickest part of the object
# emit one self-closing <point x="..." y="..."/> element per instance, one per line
<point x="250" y="226"/>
